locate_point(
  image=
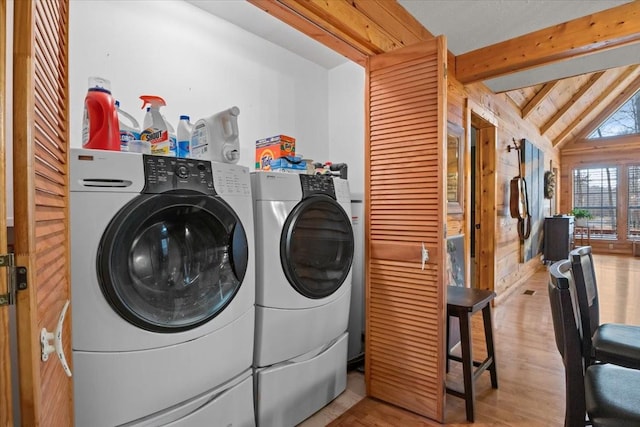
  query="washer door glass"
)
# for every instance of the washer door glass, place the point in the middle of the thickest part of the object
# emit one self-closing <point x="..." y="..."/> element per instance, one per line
<point x="171" y="262"/>
<point x="316" y="247"/>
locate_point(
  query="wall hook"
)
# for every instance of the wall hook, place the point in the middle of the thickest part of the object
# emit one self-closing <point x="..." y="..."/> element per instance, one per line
<point x="515" y="146"/>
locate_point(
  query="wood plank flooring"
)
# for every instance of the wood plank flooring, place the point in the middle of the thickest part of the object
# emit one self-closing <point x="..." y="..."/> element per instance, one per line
<point x="530" y="371"/>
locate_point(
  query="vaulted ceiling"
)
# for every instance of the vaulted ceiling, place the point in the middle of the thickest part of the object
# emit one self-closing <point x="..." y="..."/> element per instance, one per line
<point x="571" y="108"/>
<point x="565" y="64"/>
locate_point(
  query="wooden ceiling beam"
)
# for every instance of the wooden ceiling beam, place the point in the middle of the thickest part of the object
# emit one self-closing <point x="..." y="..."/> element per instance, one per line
<point x="356" y="29"/>
<point x="615" y="86"/>
<point x="309" y="27"/>
<point x="538" y="98"/>
<point x="572" y="101"/>
<point x="395" y="19"/>
<point x="593" y="33"/>
<point x="347" y="22"/>
<point x="612" y="88"/>
<point x="611" y="108"/>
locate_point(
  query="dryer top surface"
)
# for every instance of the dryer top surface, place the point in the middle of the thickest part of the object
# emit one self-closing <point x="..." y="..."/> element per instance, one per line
<point x="280" y="186"/>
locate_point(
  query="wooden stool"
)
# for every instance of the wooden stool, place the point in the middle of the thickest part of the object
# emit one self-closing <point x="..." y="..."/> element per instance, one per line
<point x="462" y="302"/>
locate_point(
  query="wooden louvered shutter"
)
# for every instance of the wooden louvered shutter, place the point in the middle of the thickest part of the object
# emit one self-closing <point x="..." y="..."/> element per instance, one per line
<point x="406" y="208"/>
<point x="40" y="164"/>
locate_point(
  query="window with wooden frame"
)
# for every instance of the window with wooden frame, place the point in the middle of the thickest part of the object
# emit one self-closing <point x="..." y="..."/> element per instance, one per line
<point x="596" y="190"/>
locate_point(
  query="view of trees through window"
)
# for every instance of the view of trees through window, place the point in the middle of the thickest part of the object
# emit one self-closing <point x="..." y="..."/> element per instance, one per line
<point x="596" y="190"/>
<point x="633" y="219"/>
<point x="625" y="121"/>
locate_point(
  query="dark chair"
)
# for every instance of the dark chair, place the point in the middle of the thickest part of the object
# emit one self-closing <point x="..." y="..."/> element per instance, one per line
<point x="608" y="394"/>
<point x="615" y="343"/>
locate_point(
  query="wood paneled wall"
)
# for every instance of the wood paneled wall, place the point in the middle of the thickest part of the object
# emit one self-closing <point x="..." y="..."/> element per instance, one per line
<point x="509" y="270"/>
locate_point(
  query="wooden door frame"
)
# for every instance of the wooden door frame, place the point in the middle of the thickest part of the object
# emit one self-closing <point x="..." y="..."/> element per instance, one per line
<point x="486" y="190"/>
<point x="6" y="389"/>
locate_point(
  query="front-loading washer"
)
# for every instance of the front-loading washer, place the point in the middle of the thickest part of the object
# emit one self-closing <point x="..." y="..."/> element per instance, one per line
<point x="304" y="251"/>
<point x="163" y="290"/>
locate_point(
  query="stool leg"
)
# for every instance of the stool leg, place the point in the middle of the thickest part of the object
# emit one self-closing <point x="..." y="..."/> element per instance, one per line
<point x="448" y="349"/>
<point x="467" y="364"/>
<point x="488" y="336"/>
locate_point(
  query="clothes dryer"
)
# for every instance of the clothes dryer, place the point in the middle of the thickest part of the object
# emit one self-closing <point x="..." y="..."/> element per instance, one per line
<point x="304" y="252"/>
<point x="163" y="290"/>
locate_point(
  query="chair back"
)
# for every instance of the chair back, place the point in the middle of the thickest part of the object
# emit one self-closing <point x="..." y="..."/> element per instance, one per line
<point x="584" y="274"/>
<point x="567" y="327"/>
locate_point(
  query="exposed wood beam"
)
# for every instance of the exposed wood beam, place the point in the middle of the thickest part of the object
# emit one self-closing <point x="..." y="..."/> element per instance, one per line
<point x="395" y="19"/>
<point x="356" y="29"/>
<point x="348" y="23"/>
<point x="309" y="27"/>
<point x="593" y="33"/>
<point x="538" y="98"/>
<point x="615" y="86"/>
<point x="617" y="102"/>
<point x="572" y="101"/>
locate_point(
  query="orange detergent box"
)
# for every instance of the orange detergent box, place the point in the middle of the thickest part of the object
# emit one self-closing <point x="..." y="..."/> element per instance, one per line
<point x="273" y="148"/>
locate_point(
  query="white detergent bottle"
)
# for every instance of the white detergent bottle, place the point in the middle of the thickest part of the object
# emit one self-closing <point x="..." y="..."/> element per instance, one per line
<point x="129" y="128"/>
<point x="184" y="136"/>
<point x="217" y="138"/>
<point x="157" y="134"/>
<point x="173" y="138"/>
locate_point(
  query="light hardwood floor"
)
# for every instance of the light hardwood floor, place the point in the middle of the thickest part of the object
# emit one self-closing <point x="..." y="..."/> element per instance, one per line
<point x="530" y="372"/>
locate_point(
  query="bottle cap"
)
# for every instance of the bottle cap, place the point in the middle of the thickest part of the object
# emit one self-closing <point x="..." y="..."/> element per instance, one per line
<point x="100" y="84"/>
<point x="184" y="117"/>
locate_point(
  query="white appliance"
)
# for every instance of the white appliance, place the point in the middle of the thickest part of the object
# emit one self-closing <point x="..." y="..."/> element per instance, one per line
<point x="355" y="352"/>
<point x="163" y="290"/>
<point x="304" y="252"/>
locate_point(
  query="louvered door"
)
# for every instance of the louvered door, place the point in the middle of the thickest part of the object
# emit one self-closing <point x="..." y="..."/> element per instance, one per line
<point x="406" y="209"/>
<point x="40" y="152"/>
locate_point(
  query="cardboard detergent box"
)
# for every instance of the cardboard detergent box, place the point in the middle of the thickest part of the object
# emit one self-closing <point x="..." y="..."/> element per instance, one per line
<point x="285" y="164"/>
<point x="273" y="148"/>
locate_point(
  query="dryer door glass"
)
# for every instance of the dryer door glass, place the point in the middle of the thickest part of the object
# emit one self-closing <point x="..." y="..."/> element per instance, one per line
<point x="171" y="262"/>
<point x="316" y="246"/>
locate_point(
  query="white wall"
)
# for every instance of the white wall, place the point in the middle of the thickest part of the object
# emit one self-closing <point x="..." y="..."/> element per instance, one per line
<point x="346" y="121"/>
<point x="201" y="65"/>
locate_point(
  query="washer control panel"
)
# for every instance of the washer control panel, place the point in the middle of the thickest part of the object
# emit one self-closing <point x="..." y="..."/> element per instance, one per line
<point x="164" y="174"/>
<point x="317" y="184"/>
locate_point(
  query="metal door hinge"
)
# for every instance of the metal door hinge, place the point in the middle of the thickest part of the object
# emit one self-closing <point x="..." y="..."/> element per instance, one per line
<point x="16" y="279"/>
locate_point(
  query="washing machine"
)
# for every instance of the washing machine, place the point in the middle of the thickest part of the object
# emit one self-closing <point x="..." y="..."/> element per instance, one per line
<point x="304" y="252"/>
<point x="163" y="290"/>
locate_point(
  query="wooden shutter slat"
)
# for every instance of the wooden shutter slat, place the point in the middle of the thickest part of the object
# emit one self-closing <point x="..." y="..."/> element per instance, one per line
<point x="46" y="158"/>
<point x="44" y="92"/>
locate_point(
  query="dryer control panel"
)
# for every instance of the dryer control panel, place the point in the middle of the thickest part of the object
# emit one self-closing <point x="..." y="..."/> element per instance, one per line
<point x="164" y="174"/>
<point x="317" y="184"/>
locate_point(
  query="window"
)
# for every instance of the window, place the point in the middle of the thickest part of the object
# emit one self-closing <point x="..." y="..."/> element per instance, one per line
<point x="633" y="215"/>
<point x="596" y="189"/>
<point x="625" y="121"/>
